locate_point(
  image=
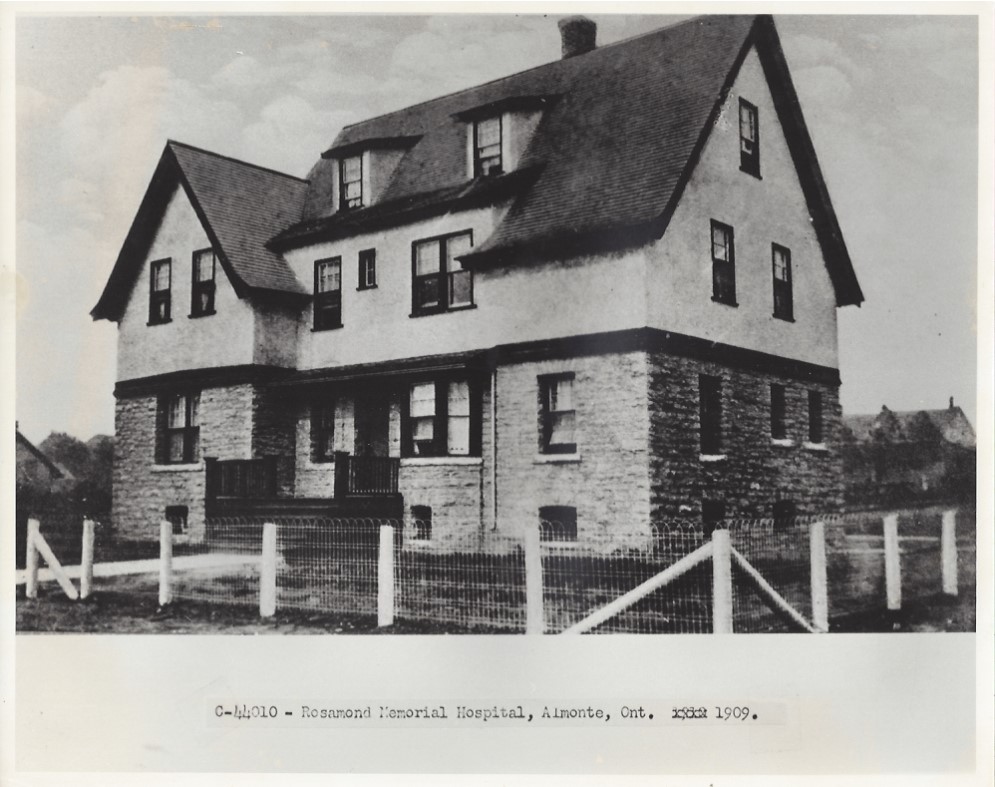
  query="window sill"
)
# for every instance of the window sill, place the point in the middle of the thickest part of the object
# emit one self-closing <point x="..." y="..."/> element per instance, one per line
<point x="723" y="302"/>
<point x="201" y="314"/>
<point x="326" y="328"/>
<point x="159" y="322"/>
<point x="783" y="318"/>
<point x="750" y="172"/>
<point x="437" y="461"/>
<point x="367" y="287"/>
<point x="178" y="468"/>
<point x="818" y="447"/>
<point x="444" y="311"/>
<point x="555" y="459"/>
<point x="712" y="457"/>
<point x="782" y="442"/>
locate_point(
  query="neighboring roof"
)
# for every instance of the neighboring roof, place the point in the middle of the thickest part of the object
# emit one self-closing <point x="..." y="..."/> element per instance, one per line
<point x="240" y="205"/>
<point x="55" y="469"/>
<point x="951" y="422"/>
<point x="617" y="148"/>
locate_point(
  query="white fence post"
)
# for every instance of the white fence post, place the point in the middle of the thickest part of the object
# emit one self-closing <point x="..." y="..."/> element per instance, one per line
<point x="86" y="560"/>
<point x="820" y="588"/>
<point x="892" y="562"/>
<point x="267" y="572"/>
<point x="385" y="577"/>
<point x="165" y="562"/>
<point x="31" y="560"/>
<point x="721" y="582"/>
<point x="948" y="547"/>
<point x="534" y="615"/>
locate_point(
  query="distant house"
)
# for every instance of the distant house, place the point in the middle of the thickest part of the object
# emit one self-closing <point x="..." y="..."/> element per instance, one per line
<point x="920" y="454"/>
<point x="34" y="470"/>
<point x="600" y="292"/>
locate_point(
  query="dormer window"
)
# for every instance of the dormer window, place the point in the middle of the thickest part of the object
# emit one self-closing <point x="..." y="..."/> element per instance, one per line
<point x="351" y="183"/>
<point x="487" y="147"/>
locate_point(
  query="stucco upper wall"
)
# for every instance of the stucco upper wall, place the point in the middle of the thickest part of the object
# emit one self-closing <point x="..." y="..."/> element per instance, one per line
<point x="761" y="212"/>
<point x="513" y="303"/>
<point x="225" y="338"/>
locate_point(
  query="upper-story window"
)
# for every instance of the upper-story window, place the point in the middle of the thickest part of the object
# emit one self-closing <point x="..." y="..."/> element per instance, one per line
<point x="441" y="419"/>
<point x="179" y="435"/>
<point x="723" y="264"/>
<point x="557" y="416"/>
<point x="487" y="147"/>
<point x="749" y="138"/>
<point x="202" y="292"/>
<point x="328" y="294"/>
<point x="367" y="269"/>
<point x="351" y="183"/>
<point x="439" y="282"/>
<point x="783" y="298"/>
<point x="159" y="291"/>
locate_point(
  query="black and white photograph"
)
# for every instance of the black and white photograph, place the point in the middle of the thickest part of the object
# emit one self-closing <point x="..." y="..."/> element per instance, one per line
<point x="424" y="332"/>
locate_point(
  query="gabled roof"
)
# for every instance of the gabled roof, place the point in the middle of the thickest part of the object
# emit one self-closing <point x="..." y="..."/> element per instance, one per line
<point x="57" y="470"/>
<point x="240" y="206"/>
<point x="616" y="147"/>
<point x="951" y="422"/>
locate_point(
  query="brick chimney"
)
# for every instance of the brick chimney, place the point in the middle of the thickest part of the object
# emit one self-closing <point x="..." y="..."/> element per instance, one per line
<point x="579" y="35"/>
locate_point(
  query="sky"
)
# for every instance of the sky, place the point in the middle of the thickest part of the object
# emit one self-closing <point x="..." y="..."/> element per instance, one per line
<point x="891" y="104"/>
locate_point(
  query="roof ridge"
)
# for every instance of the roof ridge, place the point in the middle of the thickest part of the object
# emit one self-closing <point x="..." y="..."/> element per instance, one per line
<point x="234" y="160"/>
<point x="599" y="48"/>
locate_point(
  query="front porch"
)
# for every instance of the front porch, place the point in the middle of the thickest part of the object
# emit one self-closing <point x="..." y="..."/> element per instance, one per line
<point x="364" y="486"/>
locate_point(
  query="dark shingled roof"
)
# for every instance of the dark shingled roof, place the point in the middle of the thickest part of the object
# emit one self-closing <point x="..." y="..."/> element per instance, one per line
<point x="951" y="422"/>
<point x="240" y="205"/>
<point x="623" y="130"/>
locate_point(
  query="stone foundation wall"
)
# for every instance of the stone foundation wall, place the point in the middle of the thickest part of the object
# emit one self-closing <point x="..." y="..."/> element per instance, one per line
<point x="142" y="489"/>
<point x="755" y="472"/>
<point x="608" y="480"/>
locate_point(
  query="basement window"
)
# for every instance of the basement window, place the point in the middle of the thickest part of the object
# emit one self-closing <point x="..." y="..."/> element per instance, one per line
<point x="421" y="523"/>
<point x="557" y="523"/>
<point x="177" y="517"/>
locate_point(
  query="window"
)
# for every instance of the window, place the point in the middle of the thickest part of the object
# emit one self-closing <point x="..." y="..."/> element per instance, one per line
<point x="202" y="296"/>
<point x="749" y="138"/>
<point x="177" y="517"/>
<point x="351" y="183"/>
<point x="557" y="523"/>
<point x="815" y="434"/>
<point x="441" y="419"/>
<point x="710" y="405"/>
<point x="723" y="264"/>
<point x="438" y="282"/>
<point x="323" y="431"/>
<point x="781" y="262"/>
<point x="367" y="269"/>
<point x="712" y="514"/>
<point x="421" y="522"/>
<point x="556" y="415"/>
<point x="487" y="147"/>
<point x="328" y="294"/>
<point x="778" y="427"/>
<point x="785" y="512"/>
<point x="180" y="431"/>
<point x="159" y="298"/>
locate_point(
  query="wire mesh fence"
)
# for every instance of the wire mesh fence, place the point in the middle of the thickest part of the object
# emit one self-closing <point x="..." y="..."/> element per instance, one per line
<point x="580" y="578"/>
<point x="477" y="580"/>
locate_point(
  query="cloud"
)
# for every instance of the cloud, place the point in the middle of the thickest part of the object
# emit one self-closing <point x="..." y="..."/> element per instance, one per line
<point x="290" y="134"/>
<point x="823" y="87"/>
<point x="32" y="105"/>
<point x="245" y="72"/>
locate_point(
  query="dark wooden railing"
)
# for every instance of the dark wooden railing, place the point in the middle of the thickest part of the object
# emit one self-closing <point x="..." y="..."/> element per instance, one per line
<point x="365" y="475"/>
<point x="241" y="478"/>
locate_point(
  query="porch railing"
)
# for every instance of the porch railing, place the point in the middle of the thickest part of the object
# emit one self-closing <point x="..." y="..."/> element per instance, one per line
<point x="241" y="478"/>
<point x="365" y="475"/>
